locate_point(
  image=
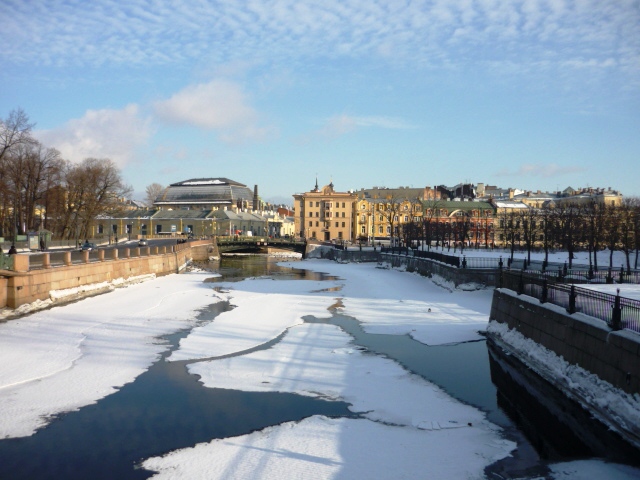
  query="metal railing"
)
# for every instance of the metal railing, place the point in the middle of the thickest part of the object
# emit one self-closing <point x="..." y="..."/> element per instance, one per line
<point x="577" y="274"/>
<point x="618" y="312"/>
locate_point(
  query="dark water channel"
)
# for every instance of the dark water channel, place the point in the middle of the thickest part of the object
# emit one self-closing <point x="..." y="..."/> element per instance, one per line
<point x="165" y="408"/>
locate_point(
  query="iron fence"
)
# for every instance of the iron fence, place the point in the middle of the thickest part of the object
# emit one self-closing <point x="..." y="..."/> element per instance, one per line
<point x="618" y="312"/>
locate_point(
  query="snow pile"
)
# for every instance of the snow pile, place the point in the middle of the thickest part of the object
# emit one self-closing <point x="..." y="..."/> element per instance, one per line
<point x="599" y="396"/>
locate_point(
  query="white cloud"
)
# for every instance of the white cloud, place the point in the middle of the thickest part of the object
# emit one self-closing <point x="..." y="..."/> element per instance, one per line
<point x="217" y="105"/>
<point x="343" y="124"/>
<point x="114" y="134"/>
<point x="423" y="32"/>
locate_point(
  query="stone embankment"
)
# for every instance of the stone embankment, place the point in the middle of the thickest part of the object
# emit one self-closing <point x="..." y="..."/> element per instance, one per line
<point x="23" y="286"/>
<point x="487" y="277"/>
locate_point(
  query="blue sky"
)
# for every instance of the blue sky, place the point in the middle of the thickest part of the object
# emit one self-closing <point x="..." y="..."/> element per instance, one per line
<point x="531" y="94"/>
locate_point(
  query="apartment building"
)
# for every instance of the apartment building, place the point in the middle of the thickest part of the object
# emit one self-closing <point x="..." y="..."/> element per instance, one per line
<point x="325" y="214"/>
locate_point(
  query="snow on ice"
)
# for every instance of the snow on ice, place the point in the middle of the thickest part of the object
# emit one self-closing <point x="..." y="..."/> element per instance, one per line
<point x="64" y="358"/>
<point x="70" y="356"/>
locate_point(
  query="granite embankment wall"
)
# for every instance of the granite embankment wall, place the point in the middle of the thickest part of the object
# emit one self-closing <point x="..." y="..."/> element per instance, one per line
<point x="484" y="276"/>
<point x="614" y="356"/>
<point x="24" y="286"/>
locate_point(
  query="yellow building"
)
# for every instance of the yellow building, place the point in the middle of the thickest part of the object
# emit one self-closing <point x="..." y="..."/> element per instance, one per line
<point x="384" y="214"/>
<point x="325" y="214"/>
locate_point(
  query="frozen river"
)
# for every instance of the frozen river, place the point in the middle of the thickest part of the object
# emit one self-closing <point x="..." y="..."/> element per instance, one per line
<point x="359" y="372"/>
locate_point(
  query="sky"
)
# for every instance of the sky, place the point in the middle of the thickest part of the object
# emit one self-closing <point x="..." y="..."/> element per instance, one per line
<point x="530" y="94"/>
<point x="94" y="354"/>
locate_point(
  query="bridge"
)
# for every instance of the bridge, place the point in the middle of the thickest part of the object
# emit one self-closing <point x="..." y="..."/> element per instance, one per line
<point x="250" y="244"/>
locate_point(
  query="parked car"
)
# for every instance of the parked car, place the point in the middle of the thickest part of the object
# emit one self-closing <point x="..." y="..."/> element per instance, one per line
<point x="89" y="246"/>
<point x="143" y="242"/>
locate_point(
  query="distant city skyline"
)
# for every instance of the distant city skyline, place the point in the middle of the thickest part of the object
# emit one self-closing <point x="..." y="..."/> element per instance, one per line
<point x="534" y="94"/>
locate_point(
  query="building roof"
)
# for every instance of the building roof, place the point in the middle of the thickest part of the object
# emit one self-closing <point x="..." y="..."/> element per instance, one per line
<point x="382" y="193"/>
<point x="205" y="192"/>
<point x="142" y="213"/>
<point x="181" y="214"/>
<point x="509" y="204"/>
<point x="231" y="215"/>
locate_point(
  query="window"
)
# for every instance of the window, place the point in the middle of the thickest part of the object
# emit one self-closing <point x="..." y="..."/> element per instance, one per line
<point x="343" y="214"/>
<point x="336" y="224"/>
<point x="380" y="229"/>
<point x="406" y="218"/>
<point x="343" y="205"/>
<point x="317" y="223"/>
<point x="362" y="229"/>
<point x="317" y="204"/>
<point x="395" y="218"/>
<point x="340" y="235"/>
<point x="310" y="223"/>
<point x="317" y="214"/>
<point x="343" y="224"/>
<point x="311" y="204"/>
<point x="101" y="228"/>
<point x="388" y="230"/>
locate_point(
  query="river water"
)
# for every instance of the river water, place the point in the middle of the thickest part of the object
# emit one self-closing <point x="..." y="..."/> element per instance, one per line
<point x="165" y="408"/>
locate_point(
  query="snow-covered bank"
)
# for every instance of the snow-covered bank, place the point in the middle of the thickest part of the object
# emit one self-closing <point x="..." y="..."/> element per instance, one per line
<point x="66" y="357"/>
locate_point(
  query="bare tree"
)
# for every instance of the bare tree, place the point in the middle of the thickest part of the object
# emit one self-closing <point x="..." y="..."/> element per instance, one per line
<point x="509" y="226"/>
<point x="30" y="170"/>
<point x="627" y="226"/>
<point x="153" y="191"/>
<point x="94" y="188"/>
<point x="594" y="214"/>
<point x="612" y="231"/>
<point x="528" y="221"/>
<point x="390" y="209"/>
<point x="430" y="225"/>
<point x="567" y="220"/>
<point x="15" y="130"/>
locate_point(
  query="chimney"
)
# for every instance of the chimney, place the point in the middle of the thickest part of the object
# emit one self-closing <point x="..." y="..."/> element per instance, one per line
<point x="255" y="197"/>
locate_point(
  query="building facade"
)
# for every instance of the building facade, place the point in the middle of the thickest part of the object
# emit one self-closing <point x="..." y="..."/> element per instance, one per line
<point x="325" y="214"/>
